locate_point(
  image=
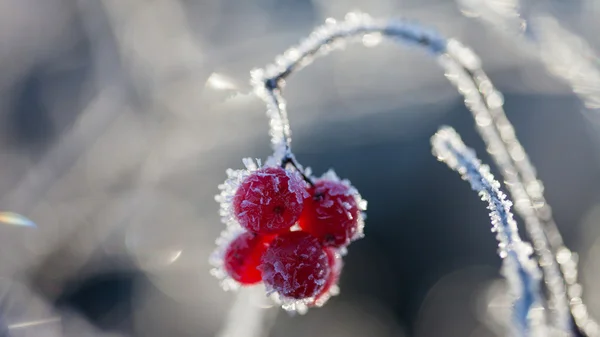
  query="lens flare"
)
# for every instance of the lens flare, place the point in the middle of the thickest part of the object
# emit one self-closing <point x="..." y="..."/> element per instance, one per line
<point x="14" y="219"/>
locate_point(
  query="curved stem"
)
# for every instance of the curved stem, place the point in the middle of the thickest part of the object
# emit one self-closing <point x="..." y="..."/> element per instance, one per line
<point x="463" y="69"/>
<point x="522" y="274"/>
<point x="571" y="59"/>
<point x="521" y="181"/>
<point x="268" y="83"/>
<point x="290" y="160"/>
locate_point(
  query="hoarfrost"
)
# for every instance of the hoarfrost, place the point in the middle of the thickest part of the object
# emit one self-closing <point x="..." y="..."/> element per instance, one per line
<point x="521" y="272"/>
<point x="571" y="59"/>
<point x="463" y="69"/>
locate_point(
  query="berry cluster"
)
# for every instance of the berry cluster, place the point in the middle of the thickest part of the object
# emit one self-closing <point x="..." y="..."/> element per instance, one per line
<point x="287" y="230"/>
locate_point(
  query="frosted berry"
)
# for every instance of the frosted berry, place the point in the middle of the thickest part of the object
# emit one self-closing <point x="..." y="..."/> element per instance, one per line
<point x="295" y="265"/>
<point x="243" y="255"/>
<point x="335" y="265"/>
<point x="330" y="213"/>
<point x="269" y="200"/>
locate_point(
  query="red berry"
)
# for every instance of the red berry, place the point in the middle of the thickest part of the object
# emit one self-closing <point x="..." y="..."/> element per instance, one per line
<point x="242" y="257"/>
<point x="269" y="200"/>
<point x="335" y="265"/>
<point x="330" y="213"/>
<point x="295" y="265"/>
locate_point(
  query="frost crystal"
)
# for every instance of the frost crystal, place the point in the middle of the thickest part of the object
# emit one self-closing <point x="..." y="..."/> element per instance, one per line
<point x="485" y="103"/>
<point x="332" y="35"/>
<point x="360" y="202"/>
<point x="296" y="266"/>
<point x="331" y="287"/>
<point x="233" y="228"/>
<point x="570" y="58"/>
<point x="463" y="69"/>
<point x="521" y="272"/>
<point x="270" y="200"/>
<point x="217" y="258"/>
<point x="565" y="55"/>
<point x="228" y="189"/>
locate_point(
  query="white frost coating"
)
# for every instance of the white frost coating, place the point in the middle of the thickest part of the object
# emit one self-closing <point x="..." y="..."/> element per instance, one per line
<point x="292" y="305"/>
<point x="565" y="55"/>
<point x="217" y="258"/>
<point x="518" y="172"/>
<point x="297" y="186"/>
<point x="521" y="272"/>
<point x="336" y="271"/>
<point x="287" y="279"/>
<point x="485" y="103"/>
<point x="268" y="82"/>
<point x="233" y="228"/>
<point x="570" y="58"/>
<point x="228" y="189"/>
<point x="360" y="202"/>
<point x="462" y="68"/>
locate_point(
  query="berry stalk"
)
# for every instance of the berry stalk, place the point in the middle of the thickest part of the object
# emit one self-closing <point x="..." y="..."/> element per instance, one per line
<point x="463" y="69"/>
<point x="289" y="160"/>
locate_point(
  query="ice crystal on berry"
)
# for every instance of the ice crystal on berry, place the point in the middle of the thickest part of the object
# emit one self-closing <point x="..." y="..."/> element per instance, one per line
<point x="269" y="200"/>
<point x="217" y="258"/>
<point x="281" y="270"/>
<point x="261" y="207"/>
<point x="330" y="213"/>
<point x="295" y="266"/>
<point x="230" y="187"/>
<point x="333" y="211"/>
<point x="243" y="256"/>
<point x="331" y="285"/>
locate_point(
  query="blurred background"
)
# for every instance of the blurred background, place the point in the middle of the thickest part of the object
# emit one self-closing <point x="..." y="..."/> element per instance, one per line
<point x="119" y="118"/>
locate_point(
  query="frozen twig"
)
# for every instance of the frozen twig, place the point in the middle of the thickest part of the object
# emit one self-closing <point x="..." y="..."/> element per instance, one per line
<point x="521" y="272"/>
<point x="463" y="69"/>
<point x="571" y="59"/>
<point x="268" y="82"/>
<point x="565" y="55"/>
<point x="520" y="176"/>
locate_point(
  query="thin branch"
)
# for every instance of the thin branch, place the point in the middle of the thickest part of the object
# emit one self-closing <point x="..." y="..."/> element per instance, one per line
<point x="522" y="273"/>
<point x="291" y="160"/>
<point x="571" y="59"/>
<point x="463" y="69"/>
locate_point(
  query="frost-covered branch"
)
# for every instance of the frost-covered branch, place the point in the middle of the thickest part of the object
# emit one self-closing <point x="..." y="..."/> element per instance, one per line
<point x="521" y="272"/>
<point x="517" y="170"/>
<point x="463" y="69"/>
<point x="268" y="82"/>
<point x="571" y="59"/>
<point x="565" y="55"/>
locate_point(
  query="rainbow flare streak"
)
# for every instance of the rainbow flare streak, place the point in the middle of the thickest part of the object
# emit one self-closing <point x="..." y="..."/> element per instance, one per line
<point x="15" y="219"/>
